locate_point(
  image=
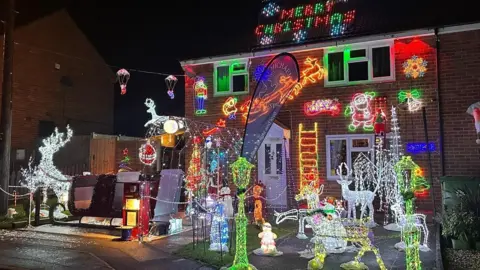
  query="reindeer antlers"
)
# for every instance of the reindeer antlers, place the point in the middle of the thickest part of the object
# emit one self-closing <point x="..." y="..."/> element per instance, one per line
<point x="340" y="172"/>
<point x="58" y="139"/>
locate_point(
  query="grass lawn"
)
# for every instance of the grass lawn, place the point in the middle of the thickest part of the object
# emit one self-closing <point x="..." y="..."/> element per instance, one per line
<point x="6" y="223"/>
<point x="214" y="259"/>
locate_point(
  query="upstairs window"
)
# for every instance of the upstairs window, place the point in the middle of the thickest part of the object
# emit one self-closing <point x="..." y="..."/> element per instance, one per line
<point x="359" y="64"/>
<point x="230" y="78"/>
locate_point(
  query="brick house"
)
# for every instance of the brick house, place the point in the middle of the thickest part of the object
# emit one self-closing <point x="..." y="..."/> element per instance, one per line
<point x="59" y="79"/>
<point x="360" y="50"/>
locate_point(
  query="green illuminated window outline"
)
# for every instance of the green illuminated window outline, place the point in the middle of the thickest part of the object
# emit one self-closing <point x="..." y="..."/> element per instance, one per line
<point x="346" y="49"/>
<point x="230" y="69"/>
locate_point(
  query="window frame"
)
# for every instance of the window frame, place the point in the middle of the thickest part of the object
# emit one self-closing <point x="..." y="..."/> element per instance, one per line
<point x="349" y="139"/>
<point x="368" y="57"/>
<point x="273" y="142"/>
<point x="231" y="73"/>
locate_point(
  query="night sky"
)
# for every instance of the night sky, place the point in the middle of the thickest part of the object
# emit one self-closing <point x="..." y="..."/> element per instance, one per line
<point x="154" y="38"/>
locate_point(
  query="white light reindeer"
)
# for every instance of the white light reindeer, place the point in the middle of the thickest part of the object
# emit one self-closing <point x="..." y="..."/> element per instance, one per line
<point x="420" y="223"/>
<point x="363" y="197"/>
<point x="47" y="174"/>
<point x="152" y="110"/>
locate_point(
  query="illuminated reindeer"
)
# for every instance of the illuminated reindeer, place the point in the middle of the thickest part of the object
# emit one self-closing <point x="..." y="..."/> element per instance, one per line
<point x="313" y="73"/>
<point x="47" y="174"/>
<point x="152" y="110"/>
<point x="312" y="195"/>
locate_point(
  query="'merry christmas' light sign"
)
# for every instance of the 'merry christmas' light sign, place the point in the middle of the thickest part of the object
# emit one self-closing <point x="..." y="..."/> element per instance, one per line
<point x="319" y="106"/>
<point x="323" y="18"/>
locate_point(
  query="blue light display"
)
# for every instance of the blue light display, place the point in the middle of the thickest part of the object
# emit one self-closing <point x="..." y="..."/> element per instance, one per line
<point x="418" y="148"/>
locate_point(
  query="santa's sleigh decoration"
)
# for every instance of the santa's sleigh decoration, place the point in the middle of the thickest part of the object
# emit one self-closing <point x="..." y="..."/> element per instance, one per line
<point x="474" y="110"/>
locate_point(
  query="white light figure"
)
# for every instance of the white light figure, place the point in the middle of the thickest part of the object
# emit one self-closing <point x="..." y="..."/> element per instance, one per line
<point x="48" y="174"/>
<point x="268" y="246"/>
<point x="219" y="230"/>
<point x="156" y="119"/>
<point x="419" y="220"/>
<point x="378" y="173"/>
<point x="396" y="152"/>
<point x="208" y="142"/>
<point x="362" y="197"/>
<point x="293" y="214"/>
<point x="227" y="201"/>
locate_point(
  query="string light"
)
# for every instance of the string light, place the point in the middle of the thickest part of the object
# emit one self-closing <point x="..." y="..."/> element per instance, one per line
<point x="417" y="148"/>
<point x="299" y="36"/>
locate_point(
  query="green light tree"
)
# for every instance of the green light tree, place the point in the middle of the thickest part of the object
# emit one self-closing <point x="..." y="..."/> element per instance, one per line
<point x="241" y="170"/>
<point x="410" y="179"/>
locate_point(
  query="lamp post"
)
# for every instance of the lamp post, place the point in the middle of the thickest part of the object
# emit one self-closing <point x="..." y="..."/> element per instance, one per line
<point x="409" y="178"/>
<point x="241" y="170"/>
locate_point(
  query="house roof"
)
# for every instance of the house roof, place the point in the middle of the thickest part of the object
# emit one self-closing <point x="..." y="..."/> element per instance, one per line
<point x="372" y="17"/>
<point x="29" y="11"/>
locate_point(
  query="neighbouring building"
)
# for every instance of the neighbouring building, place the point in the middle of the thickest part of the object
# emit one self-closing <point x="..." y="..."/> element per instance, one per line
<point x="429" y="55"/>
<point x="59" y="80"/>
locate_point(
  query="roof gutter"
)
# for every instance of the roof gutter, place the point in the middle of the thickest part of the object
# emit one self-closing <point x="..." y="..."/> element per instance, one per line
<point x="307" y="47"/>
<point x="330" y="43"/>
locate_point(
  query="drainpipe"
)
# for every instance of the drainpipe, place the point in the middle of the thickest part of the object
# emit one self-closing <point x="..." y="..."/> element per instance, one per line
<point x="439" y="106"/>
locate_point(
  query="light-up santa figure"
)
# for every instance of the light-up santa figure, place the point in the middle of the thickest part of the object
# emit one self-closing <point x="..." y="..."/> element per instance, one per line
<point x="361" y="112"/>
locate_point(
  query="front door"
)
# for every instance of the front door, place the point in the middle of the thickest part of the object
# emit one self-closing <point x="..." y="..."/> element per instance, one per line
<point x="271" y="164"/>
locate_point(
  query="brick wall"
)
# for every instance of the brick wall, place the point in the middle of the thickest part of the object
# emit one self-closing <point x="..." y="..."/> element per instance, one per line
<point x="460" y="72"/>
<point x="80" y="93"/>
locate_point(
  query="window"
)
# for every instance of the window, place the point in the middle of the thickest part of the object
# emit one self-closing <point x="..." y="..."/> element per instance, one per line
<point x="360" y="64"/>
<point x="230" y="78"/>
<point x="273" y="159"/>
<point x="346" y="148"/>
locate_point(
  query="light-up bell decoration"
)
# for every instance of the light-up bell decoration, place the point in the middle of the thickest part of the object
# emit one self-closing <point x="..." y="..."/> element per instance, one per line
<point x="412" y="98"/>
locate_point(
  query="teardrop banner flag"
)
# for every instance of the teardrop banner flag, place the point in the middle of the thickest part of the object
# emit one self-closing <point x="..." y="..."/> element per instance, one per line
<point x="270" y="93"/>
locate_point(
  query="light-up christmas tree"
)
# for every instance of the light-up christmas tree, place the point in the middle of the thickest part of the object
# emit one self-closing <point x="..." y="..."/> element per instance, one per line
<point x="125" y="162"/>
<point x="219" y="230"/>
<point x="241" y="170"/>
<point x="396" y="148"/>
<point x="194" y="173"/>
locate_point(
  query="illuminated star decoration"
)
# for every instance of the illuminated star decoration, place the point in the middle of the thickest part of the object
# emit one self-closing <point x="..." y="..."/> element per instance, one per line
<point x="125" y="152"/>
<point x="415" y="67"/>
<point x="299" y="36"/>
<point x="412" y="98"/>
<point x="259" y="71"/>
<point x="270" y="9"/>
